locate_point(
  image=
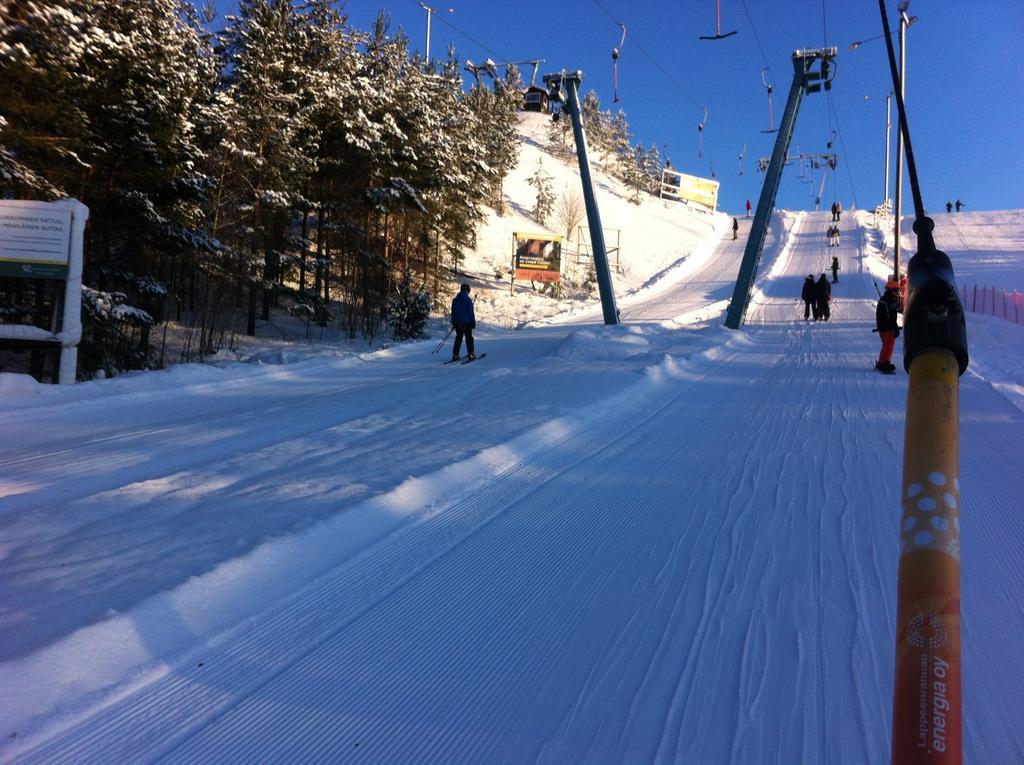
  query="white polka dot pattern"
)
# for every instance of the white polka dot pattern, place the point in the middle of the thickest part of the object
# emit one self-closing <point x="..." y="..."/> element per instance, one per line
<point x="927" y="631"/>
<point x="931" y="516"/>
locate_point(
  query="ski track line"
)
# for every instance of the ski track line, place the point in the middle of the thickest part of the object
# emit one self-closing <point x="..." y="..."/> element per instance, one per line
<point x="174" y="690"/>
<point x="385" y="734"/>
<point x="654" y="658"/>
<point x="715" y="589"/>
<point x="362" y="579"/>
<point x="184" y="457"/>
<point x="247" y="480"/>
<point x="290" y="405"/>
<point x="246" y="377"/>
<point x="311" y="376"/>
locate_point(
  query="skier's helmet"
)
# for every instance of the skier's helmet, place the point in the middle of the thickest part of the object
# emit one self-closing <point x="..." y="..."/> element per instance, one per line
<point x="464" y="287"/>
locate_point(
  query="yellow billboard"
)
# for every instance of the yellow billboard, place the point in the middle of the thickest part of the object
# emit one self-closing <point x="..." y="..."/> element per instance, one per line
<point x="689" y="188"/>
<point x="698" y="190"/>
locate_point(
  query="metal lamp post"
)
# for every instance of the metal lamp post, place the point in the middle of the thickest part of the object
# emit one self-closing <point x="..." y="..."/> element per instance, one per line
<point x="430" y="11"/>
<point x="905" y="21"/>
<point x="886" y="199"/>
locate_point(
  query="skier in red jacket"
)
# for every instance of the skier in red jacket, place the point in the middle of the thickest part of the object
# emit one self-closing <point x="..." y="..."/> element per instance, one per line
<point x="888" y="329"/>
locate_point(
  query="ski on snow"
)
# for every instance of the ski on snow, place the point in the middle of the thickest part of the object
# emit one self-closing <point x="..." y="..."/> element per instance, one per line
<point x="463" y="362"/>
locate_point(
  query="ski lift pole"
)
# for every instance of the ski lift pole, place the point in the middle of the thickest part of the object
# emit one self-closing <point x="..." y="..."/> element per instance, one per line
<point x="771" y="114"/>
<point x="927" y="722"/>
<point x="564" y="87"/>
<point x="927" y="694"/>
<point x="615" y="62"/>
<point x="821" y="188"/>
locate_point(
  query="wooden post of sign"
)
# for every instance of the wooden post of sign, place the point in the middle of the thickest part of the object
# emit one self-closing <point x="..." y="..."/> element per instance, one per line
<point x="71" y="331"/>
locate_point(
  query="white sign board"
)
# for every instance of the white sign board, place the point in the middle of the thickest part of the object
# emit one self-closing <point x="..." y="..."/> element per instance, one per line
<point x="43" y="240"/>
<point x="35" y="240"/>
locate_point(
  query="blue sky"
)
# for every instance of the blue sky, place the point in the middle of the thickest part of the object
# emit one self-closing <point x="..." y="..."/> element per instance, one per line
<point x="963" y="83"/>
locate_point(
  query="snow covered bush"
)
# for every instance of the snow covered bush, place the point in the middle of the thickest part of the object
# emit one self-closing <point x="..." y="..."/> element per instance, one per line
<point x="115" y="335"/>
<point x="408" y="310"/>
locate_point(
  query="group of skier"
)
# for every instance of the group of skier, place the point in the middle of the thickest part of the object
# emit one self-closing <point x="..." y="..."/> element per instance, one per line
<point x="832" y="234"/>
<point x="949" y="206"/>
<point x="837" y="209"/>
<point x="816" y="296"/>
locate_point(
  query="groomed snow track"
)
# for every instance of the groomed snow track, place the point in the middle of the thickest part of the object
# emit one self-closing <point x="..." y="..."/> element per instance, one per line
<point x="700" y="568"/>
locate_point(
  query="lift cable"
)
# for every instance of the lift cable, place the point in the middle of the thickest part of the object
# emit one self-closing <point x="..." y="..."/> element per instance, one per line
<point x="757" y="37"/>
<point x="767" y="81"/>
<point x="668" y="75"/>
<point x="842" y="149"/>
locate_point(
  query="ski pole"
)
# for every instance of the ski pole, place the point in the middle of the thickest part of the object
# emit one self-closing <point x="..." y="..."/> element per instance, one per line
<point x="443" y="340"/>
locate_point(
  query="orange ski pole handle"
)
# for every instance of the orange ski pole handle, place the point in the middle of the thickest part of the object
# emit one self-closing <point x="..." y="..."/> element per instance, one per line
<point x="927" y="725"/>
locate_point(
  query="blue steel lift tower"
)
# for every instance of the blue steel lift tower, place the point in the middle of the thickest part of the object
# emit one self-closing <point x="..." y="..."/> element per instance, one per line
<point x="804" y="80"/>
<point x="564" y="88"/>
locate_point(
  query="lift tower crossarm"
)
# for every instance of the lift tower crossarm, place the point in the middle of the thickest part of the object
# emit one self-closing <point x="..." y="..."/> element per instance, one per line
<point x="804" y="80"/>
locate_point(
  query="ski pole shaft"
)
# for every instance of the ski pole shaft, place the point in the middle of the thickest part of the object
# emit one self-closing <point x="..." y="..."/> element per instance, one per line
<point x="927" y="693"/>
<point x="443" y="340"/>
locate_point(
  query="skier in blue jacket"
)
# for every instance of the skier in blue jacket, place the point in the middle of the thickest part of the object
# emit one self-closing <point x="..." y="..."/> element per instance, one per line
<point x="463" y="322"/>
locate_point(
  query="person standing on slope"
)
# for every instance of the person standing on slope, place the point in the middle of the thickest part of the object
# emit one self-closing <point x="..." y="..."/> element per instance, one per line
<point x="824" y="294"/>
<point x="463" y="322"/>
<point x="959" y="204"/>
<point x="949" y="207"/>
<point x="835" y="211"/>
<point x="735" y="227"/>
<point x="748" y="208"/>
<point x="835" y="269"/>
<point x="809" y="294"/>
<point x="888" y="329"/>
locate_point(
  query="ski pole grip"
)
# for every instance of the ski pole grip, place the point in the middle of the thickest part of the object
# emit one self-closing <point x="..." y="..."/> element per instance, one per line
<point x="934" y="315"/>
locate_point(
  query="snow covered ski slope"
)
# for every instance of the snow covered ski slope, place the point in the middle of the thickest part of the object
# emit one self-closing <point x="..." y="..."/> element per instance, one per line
<point x="659" y="542"/>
